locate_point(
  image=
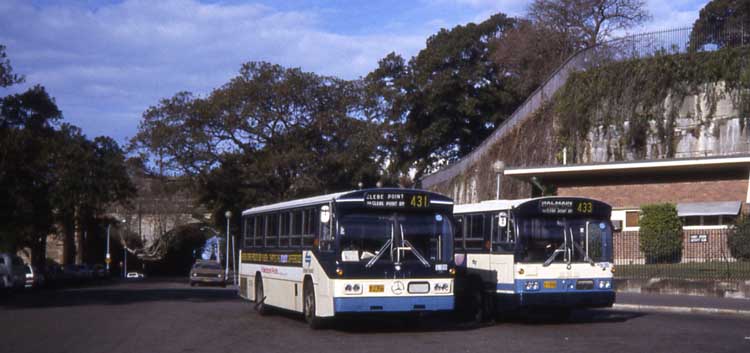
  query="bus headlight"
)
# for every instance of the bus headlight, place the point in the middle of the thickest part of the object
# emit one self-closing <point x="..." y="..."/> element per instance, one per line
<point x="353" y="288"/>
<point x="441" y="288"/>
<point x="605" y="284"/>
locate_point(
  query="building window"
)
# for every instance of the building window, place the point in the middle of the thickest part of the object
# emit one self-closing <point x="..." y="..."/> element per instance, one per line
<point x="697" y="221"/>
<point x="632" y="218"/>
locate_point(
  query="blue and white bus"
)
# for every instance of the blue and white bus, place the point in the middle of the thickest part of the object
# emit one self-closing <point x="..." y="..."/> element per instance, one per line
<point x="553" y="253"/>
<point x="365" y="251"/>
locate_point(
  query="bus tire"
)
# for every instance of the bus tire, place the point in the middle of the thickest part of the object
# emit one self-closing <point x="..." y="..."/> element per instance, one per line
<point x="478" y="306"/>
<point x="308" y="306"/>
<point x="260" y="305"/>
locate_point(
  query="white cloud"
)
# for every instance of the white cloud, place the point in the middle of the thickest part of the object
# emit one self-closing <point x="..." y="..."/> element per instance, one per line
<point x="107" y="65"/>
<point x="102" y="64"/>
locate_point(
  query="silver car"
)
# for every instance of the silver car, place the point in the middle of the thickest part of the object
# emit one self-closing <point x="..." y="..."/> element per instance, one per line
<point x="12" y="271"/>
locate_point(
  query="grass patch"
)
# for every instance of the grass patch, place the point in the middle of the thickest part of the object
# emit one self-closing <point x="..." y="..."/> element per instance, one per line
<point x="688" y="270"/>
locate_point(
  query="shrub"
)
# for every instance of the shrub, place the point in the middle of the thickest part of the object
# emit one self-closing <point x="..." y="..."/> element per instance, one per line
<point x="739" y="239"/>
<point x="661" y="233"/>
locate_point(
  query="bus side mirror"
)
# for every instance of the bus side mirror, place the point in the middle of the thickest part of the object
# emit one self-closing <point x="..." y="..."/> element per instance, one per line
<point x="325" y="214"/>
<point x="617" y="226"/>
<point x="502" y="219"/>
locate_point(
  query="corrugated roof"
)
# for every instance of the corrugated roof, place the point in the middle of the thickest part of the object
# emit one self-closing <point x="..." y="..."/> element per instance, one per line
<point x="709" y="208"/>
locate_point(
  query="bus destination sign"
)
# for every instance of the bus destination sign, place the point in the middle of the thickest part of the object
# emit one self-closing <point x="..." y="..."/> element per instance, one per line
<point x="396" y="200"/>
<point x="565" y="207"/>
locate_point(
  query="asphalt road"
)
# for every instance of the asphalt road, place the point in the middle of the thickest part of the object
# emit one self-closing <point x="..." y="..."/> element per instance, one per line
<point x="169" y="316"/>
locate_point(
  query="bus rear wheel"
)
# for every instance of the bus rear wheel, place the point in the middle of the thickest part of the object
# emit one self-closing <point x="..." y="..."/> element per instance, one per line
<point x="260" y="305"/>
<point x="312" y="320"/>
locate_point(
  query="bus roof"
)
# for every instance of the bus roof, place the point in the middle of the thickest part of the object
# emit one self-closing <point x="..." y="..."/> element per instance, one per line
<point x="487" y="206"/>
<point x="309" y="201"/>
<point x="350" y="197"/>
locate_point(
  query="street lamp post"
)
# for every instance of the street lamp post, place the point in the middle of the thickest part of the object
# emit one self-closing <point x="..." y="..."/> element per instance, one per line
<point x="228" y="215"/>
<point x="498" y="167"/>
<point x="107" y="256"/>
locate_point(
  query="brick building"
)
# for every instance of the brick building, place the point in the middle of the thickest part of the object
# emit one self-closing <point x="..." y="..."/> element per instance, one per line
<point x="709" y="193"/>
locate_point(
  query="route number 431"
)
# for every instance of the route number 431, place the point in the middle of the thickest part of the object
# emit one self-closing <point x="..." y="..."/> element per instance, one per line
<point x="419" y="201"/>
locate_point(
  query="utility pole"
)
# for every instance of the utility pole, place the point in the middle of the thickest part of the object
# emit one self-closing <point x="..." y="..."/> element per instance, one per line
<point x="228" y="215"/>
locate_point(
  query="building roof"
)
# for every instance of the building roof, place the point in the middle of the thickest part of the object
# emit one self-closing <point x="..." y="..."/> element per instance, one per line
<point x="633" y="167"/>
<point x="487" y="206"/>
<point x="709" y="208"/>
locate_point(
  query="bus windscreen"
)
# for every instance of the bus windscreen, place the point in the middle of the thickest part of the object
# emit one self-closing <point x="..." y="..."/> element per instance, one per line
<point x="564" y="239"/>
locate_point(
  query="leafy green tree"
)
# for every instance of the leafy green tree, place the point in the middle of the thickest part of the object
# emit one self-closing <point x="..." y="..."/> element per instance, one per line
<point x="446" y="100"/>
<point x="89" y="175"/>
<point x="7" y="77"/>
<point x="271" y="133"/>
<point x="722" y="23"/>
<point x="661" y="233"/>
<point x="739" y="239"/>
<point x="26" y="131"/>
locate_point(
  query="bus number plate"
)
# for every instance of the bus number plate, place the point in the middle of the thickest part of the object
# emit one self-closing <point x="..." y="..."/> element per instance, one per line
<point x="550" y="284"/>
<point x="377" y="288"/>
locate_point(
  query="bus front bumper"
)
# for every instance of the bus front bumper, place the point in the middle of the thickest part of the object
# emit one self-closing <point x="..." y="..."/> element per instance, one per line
<point x="393" y="304"/>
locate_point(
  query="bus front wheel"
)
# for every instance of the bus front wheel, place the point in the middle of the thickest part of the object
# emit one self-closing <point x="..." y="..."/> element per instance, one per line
<point x="313" y="320"/>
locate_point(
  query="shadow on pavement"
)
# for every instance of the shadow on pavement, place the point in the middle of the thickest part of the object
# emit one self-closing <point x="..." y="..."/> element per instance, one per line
<point x="436" y="322"/>
<point x="590" y="316"/>
<point x="113" y="296"/>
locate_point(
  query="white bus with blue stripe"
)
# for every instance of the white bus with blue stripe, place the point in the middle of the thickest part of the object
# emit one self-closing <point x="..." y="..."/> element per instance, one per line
<point x="550" y="253"/>
<point x="359" y="252"/>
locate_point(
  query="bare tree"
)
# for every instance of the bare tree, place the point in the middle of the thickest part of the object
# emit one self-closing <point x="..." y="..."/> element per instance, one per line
<point x="588" y="21"/>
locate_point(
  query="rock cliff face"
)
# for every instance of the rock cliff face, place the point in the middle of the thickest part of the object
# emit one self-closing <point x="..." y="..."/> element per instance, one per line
<point x="707" y="122"/>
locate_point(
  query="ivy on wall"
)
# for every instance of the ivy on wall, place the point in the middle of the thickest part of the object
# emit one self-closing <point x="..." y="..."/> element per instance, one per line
<point x="642" y="97"/>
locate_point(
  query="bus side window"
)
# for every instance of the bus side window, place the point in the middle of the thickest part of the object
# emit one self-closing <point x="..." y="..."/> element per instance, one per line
<point x="459" y="236"/>
<point x="295" y="240"/>
<point x="474" y="237"/>
<point x="309" y="227"/>
<point x="284" y="225"/>
<point x="260" y="231"/>
<point x="249" y="232"/>
<point x="272" y="236"/>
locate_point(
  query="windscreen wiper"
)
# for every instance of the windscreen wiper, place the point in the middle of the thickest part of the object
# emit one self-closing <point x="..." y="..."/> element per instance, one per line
<point x="380" y="252"/>
<point x="552" y="257"/>
<point x="417" y="254"/>
<point x="582" y="252"/>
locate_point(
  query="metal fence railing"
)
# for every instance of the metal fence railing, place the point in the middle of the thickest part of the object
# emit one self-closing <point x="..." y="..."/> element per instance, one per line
<point x="638" y="46"/>
<point x="704" y="255"/>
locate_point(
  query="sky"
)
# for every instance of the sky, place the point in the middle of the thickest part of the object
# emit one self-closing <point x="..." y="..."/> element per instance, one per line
<point x="106" y="62"/>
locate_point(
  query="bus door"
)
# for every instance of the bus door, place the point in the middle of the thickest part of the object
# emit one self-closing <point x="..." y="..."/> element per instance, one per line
<point x="503" y="245"/>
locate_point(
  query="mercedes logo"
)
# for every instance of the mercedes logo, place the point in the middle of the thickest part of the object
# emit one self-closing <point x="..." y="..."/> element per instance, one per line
<point x="397" y="287"/>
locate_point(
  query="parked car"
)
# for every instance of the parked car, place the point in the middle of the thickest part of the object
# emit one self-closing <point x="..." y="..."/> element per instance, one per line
<point x="100" y="271"/>
<point x="86" y="272"/>
<point x="207" y="272"/>
<point x="54" y="275"/>
<point x="12" y="271"/>
<point x="135" y="275"/>
<point x="34" y="278"/>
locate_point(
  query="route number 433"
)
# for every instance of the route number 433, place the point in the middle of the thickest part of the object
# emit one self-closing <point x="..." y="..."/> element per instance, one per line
<point x="585" y="207"/>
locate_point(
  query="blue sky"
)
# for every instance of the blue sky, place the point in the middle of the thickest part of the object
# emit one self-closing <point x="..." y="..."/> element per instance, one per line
<point x="105" y="62"/>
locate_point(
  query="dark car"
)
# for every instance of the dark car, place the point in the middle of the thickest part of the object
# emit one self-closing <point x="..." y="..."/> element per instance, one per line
<point x="207" y="272"/>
